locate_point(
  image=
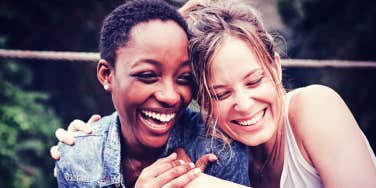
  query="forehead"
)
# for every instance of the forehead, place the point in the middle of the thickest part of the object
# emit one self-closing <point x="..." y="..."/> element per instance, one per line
<point x="234" y="58"/>
<point x="151" y="32"/>
<point x="160" y="41"/>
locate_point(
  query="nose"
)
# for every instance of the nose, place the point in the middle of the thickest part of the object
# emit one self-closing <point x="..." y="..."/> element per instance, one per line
<point x="168" y="95"/>
<point x="243" y="102"/>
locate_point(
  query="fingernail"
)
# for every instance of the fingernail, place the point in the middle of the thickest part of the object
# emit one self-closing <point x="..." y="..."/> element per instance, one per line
<point x="191" y="165"/>
<point x="173" y="155"/>
<point x="213" y="158"/>
<point x="196" y="171"/>
<point x="181" y="162"/>
<point x="89" y="130"/>
<point x="71" y="141"/>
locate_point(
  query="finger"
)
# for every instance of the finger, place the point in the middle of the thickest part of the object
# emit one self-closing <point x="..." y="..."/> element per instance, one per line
<point x="171" y="157"/>
<point x="54" y="151"/>
<point x="78" y="125"/>
<point x="162" y="165"/>
<point x="94" y="118"/>
<point x="64" y="136"/>
<point x="181" y="154"/>
<point x="172" y="173"/>
<point x="204" y="160"/>
<point x="55" y="172"/>
<point x="184" y="179"/>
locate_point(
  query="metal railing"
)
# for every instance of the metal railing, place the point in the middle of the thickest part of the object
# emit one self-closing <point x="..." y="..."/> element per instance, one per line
<point x="94" y="57"/>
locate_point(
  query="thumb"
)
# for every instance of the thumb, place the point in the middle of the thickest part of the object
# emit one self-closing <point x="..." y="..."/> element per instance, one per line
<point x="204" y="160"/>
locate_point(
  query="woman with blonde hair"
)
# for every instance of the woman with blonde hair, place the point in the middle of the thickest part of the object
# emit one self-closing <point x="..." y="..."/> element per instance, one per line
<point x="304" y="138"/>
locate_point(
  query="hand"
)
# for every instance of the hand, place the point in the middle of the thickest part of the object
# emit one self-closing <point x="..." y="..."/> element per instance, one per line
<point x="201" y="163"/>
<point x="168" y="172"/>
<point x="67" y="136"/>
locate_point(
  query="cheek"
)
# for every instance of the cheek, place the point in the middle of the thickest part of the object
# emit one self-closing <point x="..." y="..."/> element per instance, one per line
<point x="268" y="92"/>
<point x="127" y="93"/>
<point x="186" y="94"/>
<point x="270" y="96"/>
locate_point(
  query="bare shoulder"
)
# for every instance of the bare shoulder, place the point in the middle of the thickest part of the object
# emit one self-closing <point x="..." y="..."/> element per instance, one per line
<point x="316" y="103"/>
<point x="319" y="116"/>
<point x="329" y="137"/>
<point x="314" y="95"/>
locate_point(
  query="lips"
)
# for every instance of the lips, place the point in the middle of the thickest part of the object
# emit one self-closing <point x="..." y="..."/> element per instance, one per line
<point x="252" y="120"/>
<point x="157" y="122"/>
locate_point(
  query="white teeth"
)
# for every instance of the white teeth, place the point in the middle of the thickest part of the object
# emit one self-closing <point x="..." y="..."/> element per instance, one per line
<point x="252" y="121"/>
<point x="159" y="116"/>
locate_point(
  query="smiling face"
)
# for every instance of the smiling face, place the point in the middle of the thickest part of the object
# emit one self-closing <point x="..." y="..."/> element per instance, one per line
<point x="244" y="96"/>
<point x="151" y="82"/>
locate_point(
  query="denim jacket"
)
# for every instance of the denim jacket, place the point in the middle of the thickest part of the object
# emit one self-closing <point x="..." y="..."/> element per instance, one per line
<point x="95" y="159"/>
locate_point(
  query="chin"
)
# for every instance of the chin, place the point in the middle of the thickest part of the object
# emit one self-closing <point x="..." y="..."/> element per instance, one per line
<point x="255" y="139"/>
<point x="156" y="142"/>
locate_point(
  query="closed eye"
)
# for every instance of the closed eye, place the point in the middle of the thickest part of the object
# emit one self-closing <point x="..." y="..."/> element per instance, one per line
<point x="221" y="96"/>
<point x="147" y="77"/>
<point x="185" y="78"/>
<point x="254" y="83"/>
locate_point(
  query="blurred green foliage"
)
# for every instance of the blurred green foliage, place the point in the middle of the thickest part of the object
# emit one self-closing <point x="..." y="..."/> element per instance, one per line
<point x="26" y="130"/>
<point x="334" y="29"/>
<point x="330" y="29"/>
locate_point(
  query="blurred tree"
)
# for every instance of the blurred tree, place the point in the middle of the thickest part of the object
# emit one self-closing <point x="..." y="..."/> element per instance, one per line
<point x="334" y="29"/>
<point x="330" y="29"/>
<point x="26" y="130"/>
<point x="63" y="26"/>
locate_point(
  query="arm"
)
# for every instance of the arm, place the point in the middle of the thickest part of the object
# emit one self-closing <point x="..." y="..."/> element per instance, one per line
<point x="204" y="180"/>
<point x="61" y="182"/>
<point x="166" y="172"/>
<point x="331" y="139"/>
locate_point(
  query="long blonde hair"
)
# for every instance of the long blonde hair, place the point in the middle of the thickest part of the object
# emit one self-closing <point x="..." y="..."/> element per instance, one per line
<point x="209" y="23"/>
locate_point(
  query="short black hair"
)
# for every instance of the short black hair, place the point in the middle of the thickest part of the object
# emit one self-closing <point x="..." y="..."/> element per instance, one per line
<point x="117" y="25"/>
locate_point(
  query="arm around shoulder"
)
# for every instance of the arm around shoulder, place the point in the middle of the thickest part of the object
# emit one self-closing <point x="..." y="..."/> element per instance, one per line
<point x="331" y="138"/>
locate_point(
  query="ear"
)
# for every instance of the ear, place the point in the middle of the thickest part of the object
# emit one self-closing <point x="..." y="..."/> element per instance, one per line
<point x="104" y="74"/>
<point x="277" y="67"/>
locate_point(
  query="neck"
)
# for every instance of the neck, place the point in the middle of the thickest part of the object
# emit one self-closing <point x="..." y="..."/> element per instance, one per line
<point x="266" y="160"/>
<point x="135" y="156"/>
<point x="134" y="159"/>
<point x="140" y="153"/>
<point x="133" y="148"/>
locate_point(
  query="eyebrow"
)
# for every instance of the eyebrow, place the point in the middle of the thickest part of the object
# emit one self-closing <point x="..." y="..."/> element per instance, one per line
<point x="149" y="61"/>
<point x="185" y="63"/>
<point x="157" y="63"/>
<point x="246" y="76"/>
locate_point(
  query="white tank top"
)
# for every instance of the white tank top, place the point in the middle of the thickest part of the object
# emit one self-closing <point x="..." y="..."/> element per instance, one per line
<point x="297" y="172"/>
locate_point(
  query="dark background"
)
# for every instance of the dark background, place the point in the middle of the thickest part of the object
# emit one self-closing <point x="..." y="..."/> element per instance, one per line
<point x="37" y="97"/>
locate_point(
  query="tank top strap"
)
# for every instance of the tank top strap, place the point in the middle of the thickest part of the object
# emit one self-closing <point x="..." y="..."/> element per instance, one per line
<point x="297" y="172"/>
